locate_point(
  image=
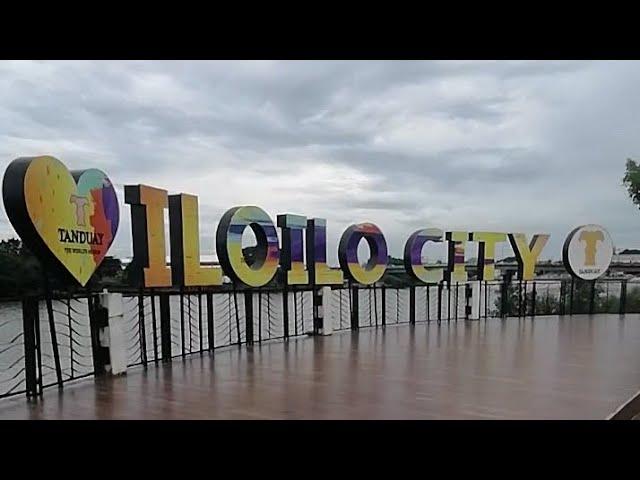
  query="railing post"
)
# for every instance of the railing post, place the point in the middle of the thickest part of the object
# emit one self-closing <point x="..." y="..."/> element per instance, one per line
<point x="519" y="298"/>
<point x="316" y="296"/>
<point x="200" y="339"/>
<point x="592" y="295"/>
<point x="260" y="316"/>
<point x="355" y="318"/>
<point x="38" y="344"/>
<point x="112" y="336"/>
<point x="439" y="301"/>
<point x="456" y="301"/>
<point x="295" y="312"/>
<point x="412" y="305"/>
<point x="533" y="299"/>
<point x="182" y="330"/>
<point x="154" y="325"/>
<point x="237" y="315"/>
<point x="384" y="305"/>
<point x="248" y="316"/>
<point x="70" y="333"/>
<point x="98" y="319"/>
<point x="142" y="329"/>
<point x="54" y="338"/>
<point x="486" y="299"/>
<point x="326" y="310"/>
<point x="165" y="326"/>
<point x="210" y="325"/>
<point x="30" y="318"/>
<point x="571" y="296"/>
<point x="623" y="297"/>
<point x="375" y="304"/>
<point x="285" y="311"/>
<point x="504" y="294"/>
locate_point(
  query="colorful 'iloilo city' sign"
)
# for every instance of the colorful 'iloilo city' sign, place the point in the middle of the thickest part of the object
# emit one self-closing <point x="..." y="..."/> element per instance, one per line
<point x="69" y="219"/>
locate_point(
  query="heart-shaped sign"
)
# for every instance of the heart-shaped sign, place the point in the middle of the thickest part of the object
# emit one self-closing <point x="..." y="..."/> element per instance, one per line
<point x="69" y="219"/>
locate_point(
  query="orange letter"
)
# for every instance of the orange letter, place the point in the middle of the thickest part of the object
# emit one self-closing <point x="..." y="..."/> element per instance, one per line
<point x="147" y="228"/>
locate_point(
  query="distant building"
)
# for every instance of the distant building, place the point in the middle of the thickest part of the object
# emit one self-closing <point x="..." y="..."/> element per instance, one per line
<point x="627" y="255"/>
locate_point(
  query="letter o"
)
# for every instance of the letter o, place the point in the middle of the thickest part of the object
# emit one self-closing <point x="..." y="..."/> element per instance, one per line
<point x="229" y="245"/>
<point x="348" y="253"/>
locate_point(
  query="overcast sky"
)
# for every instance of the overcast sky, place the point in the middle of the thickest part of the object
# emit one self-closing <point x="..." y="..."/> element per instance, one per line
<point x="534" y="147"/>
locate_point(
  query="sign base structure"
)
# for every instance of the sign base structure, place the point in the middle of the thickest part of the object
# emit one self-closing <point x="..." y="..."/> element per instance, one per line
<point x="112" y="336"/>
<point x="325" y="311"/>
<point x="477" y="301"/>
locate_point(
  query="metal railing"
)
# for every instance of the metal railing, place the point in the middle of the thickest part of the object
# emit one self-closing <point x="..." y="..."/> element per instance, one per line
<point x="46" y="342"/>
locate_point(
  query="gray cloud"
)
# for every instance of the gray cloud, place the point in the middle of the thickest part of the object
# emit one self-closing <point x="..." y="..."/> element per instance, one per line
<point x="527" y="146"/>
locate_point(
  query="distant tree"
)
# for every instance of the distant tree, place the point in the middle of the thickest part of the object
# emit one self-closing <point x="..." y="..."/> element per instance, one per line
<point x="20" y="270"/>
<point x="110" y="272"/>
<point x="12" y="246"/>
<point x="395" y="261"/>
<point x="110" y="267"/>
<point x="632" y="304"/>
<point x="631" y="181"/>
<point x="582" y="296"/>
<point x="514" y="296"/>
<point x="547" y="304"/>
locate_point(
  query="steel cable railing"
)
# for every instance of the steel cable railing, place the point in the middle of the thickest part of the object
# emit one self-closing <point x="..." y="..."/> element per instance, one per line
<point x="67" y="353"/>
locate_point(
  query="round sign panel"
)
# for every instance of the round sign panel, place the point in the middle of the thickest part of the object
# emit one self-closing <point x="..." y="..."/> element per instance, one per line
<point x="587" y="252"/>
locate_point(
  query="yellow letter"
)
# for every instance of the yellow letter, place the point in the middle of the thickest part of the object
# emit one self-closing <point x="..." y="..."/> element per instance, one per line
<point x="487" y="252"/>
<point x="456" y="271"/>
<point x="184" y="233"/>
<point x="527" y="256"/>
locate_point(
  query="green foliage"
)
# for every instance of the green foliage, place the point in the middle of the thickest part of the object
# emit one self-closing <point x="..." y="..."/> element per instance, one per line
<point x="109" y="273"/>
<point x="631" y="181"/>
<point x="514" y="297"/>
<point x="550" y="303"/>
<point x="395" y="261"/>
<point x="20" y="271"/>
<point x="547" y="304"/>
<point x="582" y="296"/>
<point x="632" y="304"/>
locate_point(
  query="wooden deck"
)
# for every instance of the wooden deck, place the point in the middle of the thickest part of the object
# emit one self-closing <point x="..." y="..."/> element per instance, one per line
<point x="576" y="367"/>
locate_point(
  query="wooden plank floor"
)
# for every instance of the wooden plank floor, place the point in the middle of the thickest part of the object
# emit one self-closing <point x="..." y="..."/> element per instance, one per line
<point x="577" y="367"/>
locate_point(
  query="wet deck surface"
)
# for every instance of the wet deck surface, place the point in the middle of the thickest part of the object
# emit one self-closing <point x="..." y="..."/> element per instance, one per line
<point x="577" y="367"/>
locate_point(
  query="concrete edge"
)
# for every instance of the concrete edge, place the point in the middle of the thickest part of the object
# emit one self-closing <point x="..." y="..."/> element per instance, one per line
<point x="627" y="410"/>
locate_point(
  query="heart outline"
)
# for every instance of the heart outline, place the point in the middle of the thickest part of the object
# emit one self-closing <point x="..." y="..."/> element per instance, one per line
<point x="35" y="193"/>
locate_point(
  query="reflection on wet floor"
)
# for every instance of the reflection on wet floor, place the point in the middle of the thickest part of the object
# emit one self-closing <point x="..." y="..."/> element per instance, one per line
<point x="547" y="367"/>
